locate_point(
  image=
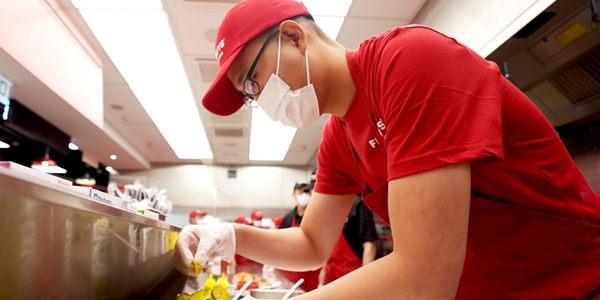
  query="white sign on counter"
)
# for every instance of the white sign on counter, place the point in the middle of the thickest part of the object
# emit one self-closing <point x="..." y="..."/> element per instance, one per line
<point x="100" y="196"/>
<point x="14" y="167"/>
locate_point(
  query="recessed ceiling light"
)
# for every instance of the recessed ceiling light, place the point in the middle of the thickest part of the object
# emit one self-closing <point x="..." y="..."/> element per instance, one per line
<point x="109" y="168"/>
<point x="73" y="147"/>
<point x="133" y="33"/>
<point x="118" y="4"/>
<point x="113" y="157"/>
<point x="269" y="140"/>
<point x="329" y="15"/>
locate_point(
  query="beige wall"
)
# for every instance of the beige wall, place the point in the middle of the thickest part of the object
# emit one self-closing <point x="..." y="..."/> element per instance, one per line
<point x="208" y="186"/>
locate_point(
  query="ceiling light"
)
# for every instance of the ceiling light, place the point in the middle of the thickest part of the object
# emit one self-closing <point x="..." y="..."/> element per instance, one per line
<point x="112" y="171"/>
<point x="140" y="43"/>
<point x="113" y="157"/>
<point x="47" y="165"/>
<point x="269" y="140"/>
<point x="329" y="8"/>
<point x="86" y="180"/>
<point x="73" y="147"/>
<point x="329" y="15"/>
<point x="330" y="25"/>
<point x="4" y="145"/>
<point x="118" y="4"/>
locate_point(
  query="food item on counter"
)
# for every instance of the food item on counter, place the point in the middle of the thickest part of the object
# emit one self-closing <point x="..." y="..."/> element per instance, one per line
<point x="202" y="294"/>
<point x="210" y="282"/>
<point x="223" y="281"/>
<point x="242" y="276"/>
<point x="217" y="292"/>
<point x="262" y="281"/>
<point x="253" y="285"/>
<point x="197" y="266"/>
<point x="257" y="281"/>
<point x="183" y="296"/>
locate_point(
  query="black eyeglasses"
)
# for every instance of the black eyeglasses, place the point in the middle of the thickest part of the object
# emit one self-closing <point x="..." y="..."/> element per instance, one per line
<point x="251" y="87"/>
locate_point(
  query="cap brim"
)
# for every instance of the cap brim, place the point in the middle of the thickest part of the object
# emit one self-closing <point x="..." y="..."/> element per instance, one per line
<point x="222" y="98"/>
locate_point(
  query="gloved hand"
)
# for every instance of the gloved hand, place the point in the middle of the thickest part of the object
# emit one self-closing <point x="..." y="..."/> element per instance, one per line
<point x="248" y="298"/>
<point x="203" y="242"/>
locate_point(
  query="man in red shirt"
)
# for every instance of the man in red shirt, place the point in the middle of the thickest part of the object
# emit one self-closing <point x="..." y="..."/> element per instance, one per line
<point x="482" y="197"/>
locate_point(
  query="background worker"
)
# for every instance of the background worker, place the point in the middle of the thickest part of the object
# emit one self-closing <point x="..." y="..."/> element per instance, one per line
<point x="355" y="246"/>
<point x="302" y="193"/>
<point x="196" y="215"/>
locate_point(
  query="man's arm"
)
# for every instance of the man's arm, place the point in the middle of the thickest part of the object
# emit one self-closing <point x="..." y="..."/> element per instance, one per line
<point x="429" y="214"/>
<point x="369" y="251"/>
<point x="300" y="249"/>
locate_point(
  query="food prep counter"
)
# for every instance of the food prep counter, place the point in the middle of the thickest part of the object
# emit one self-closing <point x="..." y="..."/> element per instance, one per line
<point x="56" y="243"/>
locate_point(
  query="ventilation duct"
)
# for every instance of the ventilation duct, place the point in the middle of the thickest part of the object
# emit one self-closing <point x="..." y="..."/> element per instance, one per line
<point x="228" y="132"/>
<point x="581" y="81"/>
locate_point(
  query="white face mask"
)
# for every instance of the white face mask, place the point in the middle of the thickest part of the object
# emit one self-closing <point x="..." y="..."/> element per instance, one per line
<point x="257" y="223"/>
<point x="303" y="199"/>
<point x="296" y="108"/>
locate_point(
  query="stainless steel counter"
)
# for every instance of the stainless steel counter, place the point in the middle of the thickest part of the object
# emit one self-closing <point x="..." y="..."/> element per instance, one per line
<point x="57" y="244"/>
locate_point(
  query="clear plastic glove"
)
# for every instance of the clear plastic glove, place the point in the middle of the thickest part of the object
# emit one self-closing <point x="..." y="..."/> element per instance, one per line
<point x="203" y="242"/>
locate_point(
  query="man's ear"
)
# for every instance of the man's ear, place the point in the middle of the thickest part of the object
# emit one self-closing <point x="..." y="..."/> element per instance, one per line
<point x="292" y="31"/>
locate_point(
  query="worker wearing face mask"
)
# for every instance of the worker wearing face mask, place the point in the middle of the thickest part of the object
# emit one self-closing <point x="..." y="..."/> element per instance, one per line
<point x="483" y="199"/>
<point x="302" y="193"/>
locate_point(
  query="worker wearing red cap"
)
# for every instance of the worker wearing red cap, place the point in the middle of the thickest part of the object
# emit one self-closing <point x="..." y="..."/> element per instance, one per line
<point x="196" y="215"/>
<point x="483" y="199"/>
<point x="256" y="217"/>
<point x="241" y="263"/>
<point x="243" y="220"/>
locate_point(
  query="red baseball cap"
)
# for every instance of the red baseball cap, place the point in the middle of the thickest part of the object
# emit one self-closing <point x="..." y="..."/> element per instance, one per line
<point x="257" y="214"/>
<point x="242" y="220"/>
<point x="197" y="212"/>
<point x="245" y="21"/>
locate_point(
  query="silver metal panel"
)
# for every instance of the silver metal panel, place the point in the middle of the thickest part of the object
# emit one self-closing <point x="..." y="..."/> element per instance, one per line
<point x="55" y="244"/>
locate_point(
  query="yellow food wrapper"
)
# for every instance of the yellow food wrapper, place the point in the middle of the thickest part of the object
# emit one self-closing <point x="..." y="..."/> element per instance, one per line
<point x="197" y="266"/>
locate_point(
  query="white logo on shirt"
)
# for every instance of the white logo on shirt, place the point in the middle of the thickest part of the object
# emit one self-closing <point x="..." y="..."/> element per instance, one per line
<point x="380" y="125"/>
<point x="219" y="50"/>
<point x="373" y="143"/>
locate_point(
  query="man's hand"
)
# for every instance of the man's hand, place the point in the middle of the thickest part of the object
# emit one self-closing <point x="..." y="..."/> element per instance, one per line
<point x="203" y="243"/>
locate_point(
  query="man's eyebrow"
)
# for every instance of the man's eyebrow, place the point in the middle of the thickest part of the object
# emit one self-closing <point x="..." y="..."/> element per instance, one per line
<point x="241" y="76"/>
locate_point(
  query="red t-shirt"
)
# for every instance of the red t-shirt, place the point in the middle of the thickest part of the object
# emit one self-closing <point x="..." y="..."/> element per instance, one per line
<point x="425" y="101"/>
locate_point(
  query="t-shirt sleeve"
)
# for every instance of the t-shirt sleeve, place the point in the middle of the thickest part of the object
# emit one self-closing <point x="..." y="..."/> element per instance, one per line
<point x="337" y="172"/>
<point x="441" y="103"/>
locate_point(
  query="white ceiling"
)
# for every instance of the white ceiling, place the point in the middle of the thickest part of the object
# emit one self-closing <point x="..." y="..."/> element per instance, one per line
<point x="194" y="24"/>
